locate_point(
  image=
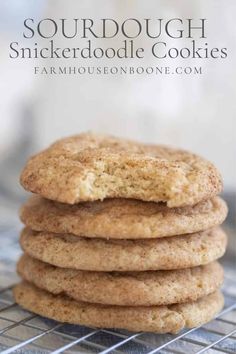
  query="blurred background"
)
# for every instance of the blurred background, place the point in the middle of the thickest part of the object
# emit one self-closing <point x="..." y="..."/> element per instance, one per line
<point x="191" y="112"/>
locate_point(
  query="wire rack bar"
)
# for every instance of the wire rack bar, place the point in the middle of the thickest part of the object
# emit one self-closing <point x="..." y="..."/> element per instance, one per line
<point x="15" y="324"/>
<point x="216" y="342"/>
<point x="108" y="350"/>
<point x="28" y="341"/>
<point x="200" y="343"/>
<point x="65" y="347"/>
<point x="7" y="307"/>
<point x="225" y="321"/>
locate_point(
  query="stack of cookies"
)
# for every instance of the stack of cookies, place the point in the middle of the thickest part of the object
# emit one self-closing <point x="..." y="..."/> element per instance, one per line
<point x="121" y="235"/>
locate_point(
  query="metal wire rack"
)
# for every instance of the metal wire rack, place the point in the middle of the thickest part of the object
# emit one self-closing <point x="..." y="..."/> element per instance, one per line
<point x="24" y="332"/>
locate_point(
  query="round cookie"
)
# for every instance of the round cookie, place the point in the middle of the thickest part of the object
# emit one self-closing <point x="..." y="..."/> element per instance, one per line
<point x="176" y="252"/>
<point x="121" y="218"/>
<point x="125" y="289"/>
<point x="159" y="319"/>
<point x="90" y="167"/>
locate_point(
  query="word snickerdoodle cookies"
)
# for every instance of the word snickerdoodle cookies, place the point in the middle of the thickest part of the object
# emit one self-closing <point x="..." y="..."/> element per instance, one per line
<point x="120" y="234"/>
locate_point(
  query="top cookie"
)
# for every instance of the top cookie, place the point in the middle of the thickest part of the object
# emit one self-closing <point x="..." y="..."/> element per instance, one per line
<point x="90" y="167"/>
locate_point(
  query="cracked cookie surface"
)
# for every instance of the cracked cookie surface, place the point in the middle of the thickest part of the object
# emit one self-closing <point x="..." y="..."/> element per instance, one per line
<point x="90" y="167"/>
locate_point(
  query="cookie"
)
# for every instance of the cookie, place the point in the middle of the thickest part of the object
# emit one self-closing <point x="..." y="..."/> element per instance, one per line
<point x="90" y="167"/>
<point x="159" y="319"/>
<point x="125" y="289"/>
<point x="121" y="218"/>
<point x="68" y="251"/>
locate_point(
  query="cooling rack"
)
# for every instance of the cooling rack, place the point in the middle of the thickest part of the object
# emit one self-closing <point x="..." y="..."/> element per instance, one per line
<point x="24" y="332"/>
